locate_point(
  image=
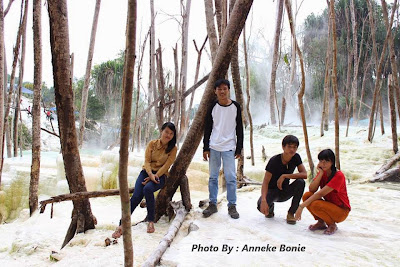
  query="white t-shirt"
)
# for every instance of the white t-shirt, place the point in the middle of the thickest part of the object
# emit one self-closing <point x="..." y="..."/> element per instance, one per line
<point x="223" y="135"/>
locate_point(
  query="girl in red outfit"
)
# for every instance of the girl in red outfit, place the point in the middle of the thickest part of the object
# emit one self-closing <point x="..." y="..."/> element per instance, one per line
<point x="329" y="205"/>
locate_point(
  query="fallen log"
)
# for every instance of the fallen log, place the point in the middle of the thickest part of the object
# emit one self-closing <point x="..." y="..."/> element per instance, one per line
<point x="392" y="175"/>
<point x="388" y="164"/>
<point x="248" y="181"/>
<point x="80" y="195"/>
<point x="176" y="224"/>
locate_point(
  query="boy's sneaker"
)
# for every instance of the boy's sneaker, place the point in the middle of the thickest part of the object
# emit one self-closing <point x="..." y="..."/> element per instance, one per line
<point x="233" y="212"/>
<point x="211" y="209"/>
<point x="290" y="218"/>
<point x="271" y="214"/>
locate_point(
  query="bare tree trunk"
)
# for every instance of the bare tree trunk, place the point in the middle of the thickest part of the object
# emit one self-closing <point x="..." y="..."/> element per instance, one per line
<point x="37" y="46"/>
<point x="129" y="69"/>
<point x="153" y="85"/>
<point x="348" y="78"/>
<point x="248" y="94"/>
<point x="12" y="80"/>
<point x="356" y="58"/>
<point x="177" y="106"/>
<point x="381" y="115"/>
<point x="3" y="79"/>
<point x="378" y="77"/>
<point x="392" y="108"/>
<point x="184" y="62"/>
<point x="218" y="14"/>
<point x="334" y="80"/>
<point x="275" y="58"/>
<point x="367" y="64"/>
<point x="85" y="89"/>
<point x="20" y="79"/>
<point x="391" y="48"/>
<point x="196" y="77"/>
<point x="82" y="217"/>
<point x="302" y="88"/>
<point x="325" y="105"/>
<point x="212" y="34"/>
<point x="139" y="77"/>
<point x="194" y="136"/>
<point x="8" y="7"/>
<point x="160" y="80"/>
<point x="235" y="71"/>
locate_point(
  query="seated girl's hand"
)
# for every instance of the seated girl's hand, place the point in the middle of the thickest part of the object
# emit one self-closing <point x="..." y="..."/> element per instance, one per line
<point x="297" y="215"/>
<point x="146" y="180"/>
<point x="155" y="179"/>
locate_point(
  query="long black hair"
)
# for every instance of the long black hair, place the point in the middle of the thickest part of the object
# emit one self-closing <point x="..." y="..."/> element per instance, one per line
<point x="328" y="155"/>
<point x="172" y="143"/>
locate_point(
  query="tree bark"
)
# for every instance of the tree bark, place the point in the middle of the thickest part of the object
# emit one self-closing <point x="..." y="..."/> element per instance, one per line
<point x="334" y="80"/>
<point x="349" y="92"/>
<point x="82" y="217"/>
<point x="391" y="48"/>
<point x="3" y="85"/>
<point x="193" y="138"/>
<point x="325" y="104"/>
<point x="248" y="94"/>
<point x="20" y="79"/>
<point x="37" y="47"/>
<point x="80" y="196"/>
<point x="153" y="85"/>
<point x="177" y="106"/>
<point x="392" y="108"/>
<point x="184" y="62"/>
<point x="160" y="81"/>
<point x="211" y="32"/>
<point x="129" y="69"/>
<point x="275" y="62"/>
<point x="85" y="89"/>
<point x="302" y="88"/>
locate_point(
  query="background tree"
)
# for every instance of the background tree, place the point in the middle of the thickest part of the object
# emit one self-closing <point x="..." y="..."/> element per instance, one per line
<point x="2" y="78"/>
<point x="129" y="69"/>
<point x="37" y="49"/>
<point x="82" y="113"/>
<point x="82" y="217"/>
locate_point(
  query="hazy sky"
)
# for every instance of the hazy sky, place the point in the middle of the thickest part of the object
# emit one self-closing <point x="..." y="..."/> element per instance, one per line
<point x="110" y="39"/>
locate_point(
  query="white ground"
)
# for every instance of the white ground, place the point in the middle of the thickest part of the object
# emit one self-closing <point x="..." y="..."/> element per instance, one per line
<point x="369" y="236"/>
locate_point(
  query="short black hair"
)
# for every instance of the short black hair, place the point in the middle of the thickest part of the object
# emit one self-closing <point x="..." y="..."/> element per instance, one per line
<point x="290" y="139"/>
<point x="222" y="81"/>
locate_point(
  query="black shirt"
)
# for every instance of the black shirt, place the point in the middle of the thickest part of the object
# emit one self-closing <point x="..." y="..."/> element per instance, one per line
<point x="277" y="168"/>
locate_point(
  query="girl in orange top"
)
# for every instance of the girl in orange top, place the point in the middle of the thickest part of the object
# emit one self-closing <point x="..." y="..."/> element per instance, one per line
<point x="329" y="205"/>
<point x="159" y="156"/>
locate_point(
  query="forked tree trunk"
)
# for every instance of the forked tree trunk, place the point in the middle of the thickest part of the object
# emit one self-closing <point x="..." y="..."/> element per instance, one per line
<point x="195" y="134"/>
<point x="20" y="79"/>
<point x="85" y="89"/>
<point x="272" y="90"/>
<point x="246" y="66"/>
<point x="82" y="217"/>
<point x="129" y="69"/>
<point x="302" y="88"/>
<point x="2" y="86"/>
<point x="334" y="80"/>
<point x="37" y="88"/>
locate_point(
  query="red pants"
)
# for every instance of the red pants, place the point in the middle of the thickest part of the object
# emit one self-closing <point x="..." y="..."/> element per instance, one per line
<point x="326" y="211"/>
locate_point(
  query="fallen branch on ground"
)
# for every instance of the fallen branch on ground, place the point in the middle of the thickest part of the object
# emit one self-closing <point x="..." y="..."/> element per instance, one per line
<point x="80" y="195"/>
<point x="176" y="224"/>
<point x="392" y="175"/>
<point x="388" y="164"/>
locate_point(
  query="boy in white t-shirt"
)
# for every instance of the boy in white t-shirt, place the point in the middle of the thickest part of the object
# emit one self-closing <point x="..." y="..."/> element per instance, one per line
<point x="223" y="139"/>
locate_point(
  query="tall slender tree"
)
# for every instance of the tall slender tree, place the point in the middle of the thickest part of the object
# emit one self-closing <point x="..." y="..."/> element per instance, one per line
<point x="129" y="69"/>
<point x="82" y="217"/>
<point x="85" y="89"/>
<point x="211" y="32"/>
<point x="2" y="78"/>
<point x="334" y="79"/>
<point x="303" y="85"/>
<point x="37" y="87"/>
<point x="275" y="59"/>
